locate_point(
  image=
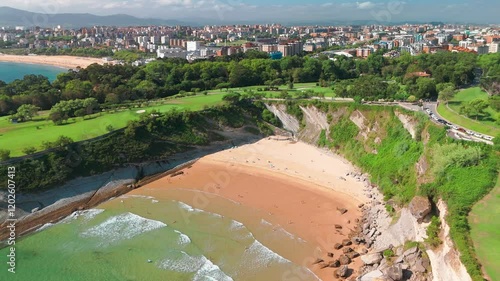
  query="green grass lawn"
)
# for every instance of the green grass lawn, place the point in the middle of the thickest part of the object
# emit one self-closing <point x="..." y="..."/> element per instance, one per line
<point x="16" y="137"/>
<point x="484" y="125"/>
<point x="485" y="231"/>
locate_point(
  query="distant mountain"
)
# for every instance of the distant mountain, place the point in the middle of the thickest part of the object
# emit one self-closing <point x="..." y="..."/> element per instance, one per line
<point x="15" y="17"/>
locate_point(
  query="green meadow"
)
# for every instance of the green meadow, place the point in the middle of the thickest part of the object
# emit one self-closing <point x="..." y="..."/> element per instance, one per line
<point x="16" y="137"/>
<point x="485" y="231"/>
<point x="485" y="124"/>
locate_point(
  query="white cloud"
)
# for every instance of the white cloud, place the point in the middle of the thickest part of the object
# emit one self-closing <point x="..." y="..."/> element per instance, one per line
<point x="327" y="4"/>
<point x="365" y="5"/>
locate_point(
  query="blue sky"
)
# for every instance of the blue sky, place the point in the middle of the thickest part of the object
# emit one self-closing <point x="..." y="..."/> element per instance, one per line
<point x="377" y="11"/>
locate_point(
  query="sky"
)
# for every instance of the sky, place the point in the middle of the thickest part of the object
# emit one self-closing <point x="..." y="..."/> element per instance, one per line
<point x="376" y="11"/>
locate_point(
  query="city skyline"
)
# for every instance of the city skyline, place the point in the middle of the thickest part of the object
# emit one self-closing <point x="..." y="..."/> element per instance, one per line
<point x="242" y="11"/>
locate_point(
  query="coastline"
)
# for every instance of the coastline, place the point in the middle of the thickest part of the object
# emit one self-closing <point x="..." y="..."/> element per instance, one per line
<point x="66" y="62"/>
<point x="297" y="186"/>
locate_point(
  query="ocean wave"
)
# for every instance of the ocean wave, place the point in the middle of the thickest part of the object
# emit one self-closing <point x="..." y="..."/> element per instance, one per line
<point x="121" y="227"/>
<point x="183" y="238"/>
<point x="202" y="267"/>
<point x="258" y="255"/>
<point x="192" y="209"/>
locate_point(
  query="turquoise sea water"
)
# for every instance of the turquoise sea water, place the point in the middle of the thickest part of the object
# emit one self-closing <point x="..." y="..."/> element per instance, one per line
<point x="158" y="238"/>
<point x="10" y="71"/>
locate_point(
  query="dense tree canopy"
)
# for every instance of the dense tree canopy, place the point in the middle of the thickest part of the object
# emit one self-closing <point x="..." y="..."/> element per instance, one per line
<point x="376" y="77"/>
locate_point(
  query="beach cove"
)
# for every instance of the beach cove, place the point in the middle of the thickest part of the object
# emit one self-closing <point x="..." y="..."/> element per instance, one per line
<point x="262" y="210"/>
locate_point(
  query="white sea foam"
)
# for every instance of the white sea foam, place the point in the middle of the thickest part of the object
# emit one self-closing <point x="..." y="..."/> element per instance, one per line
<point x="121" y="227"/>
<point x="203" y="268"/>
<point x="136" y="196"/>
<point x="190" y="208"/>
<point x="183" y="238"/>
<point x="87" y="215"/>
<point x="45" y="226"/>
<point x="258" y="255"/>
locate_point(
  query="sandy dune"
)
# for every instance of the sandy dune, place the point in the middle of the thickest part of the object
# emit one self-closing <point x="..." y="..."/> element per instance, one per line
<point x="59" y="61"/>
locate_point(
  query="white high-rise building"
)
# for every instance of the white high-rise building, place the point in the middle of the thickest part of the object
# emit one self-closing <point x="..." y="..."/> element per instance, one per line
<point x="193" y="46"/>
<point x="494" y="48"/>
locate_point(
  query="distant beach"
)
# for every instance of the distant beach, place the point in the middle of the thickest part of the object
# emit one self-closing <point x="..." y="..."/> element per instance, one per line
<point x="298" y="186"/>
<point x="67" y="62"/>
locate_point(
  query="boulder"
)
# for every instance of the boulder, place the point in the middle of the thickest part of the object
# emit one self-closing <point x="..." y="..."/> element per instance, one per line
<point x="338" y="226"/>
<point x="352" y="255"/>
<point x="341" y="272"/>
<point x="344" y="260"/>
<point x="330" y="255"/>
<point x="420" y="207"/>
<point x="346" y="242"/>
<point x="342" y="210"/>
<point x="337" y="246"/>
<point x="394" y="272"/>
<point x="419" y="267"/>
<point x="371" y="276"/>
<point x="410" y="251"/>
<point x="347" y="250"/>
<point x="372" y="258"/>
<point x="334" y="263"/>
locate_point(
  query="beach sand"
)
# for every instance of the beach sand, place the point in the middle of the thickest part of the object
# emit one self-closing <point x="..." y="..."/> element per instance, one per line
<point x="58" y="61"/>
<point x="298" y="186"/>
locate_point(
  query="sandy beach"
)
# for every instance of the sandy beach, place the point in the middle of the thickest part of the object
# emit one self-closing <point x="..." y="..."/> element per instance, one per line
<point x="69" y="62"/>
<point x="297" y="186"/>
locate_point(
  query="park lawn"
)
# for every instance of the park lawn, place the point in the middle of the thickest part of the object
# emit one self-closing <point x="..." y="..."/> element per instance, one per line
<point x="485" y="231"/>
<point x="468" y="95"/>
<point x="16" y="137"/>
<point x="485" y="126"/>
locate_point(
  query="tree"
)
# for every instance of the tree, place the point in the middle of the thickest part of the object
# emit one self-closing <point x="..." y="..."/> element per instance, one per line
<point x="26" y="112"/>
<point x="447" y="94"/>
<point x="474" y="108"/>
<point x="232" y="98"/>
<point x="4" y="154"/>
<point x="495" y="102"/>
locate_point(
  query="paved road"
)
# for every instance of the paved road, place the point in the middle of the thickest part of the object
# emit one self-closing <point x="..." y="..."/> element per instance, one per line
<point x="432" y="106"/>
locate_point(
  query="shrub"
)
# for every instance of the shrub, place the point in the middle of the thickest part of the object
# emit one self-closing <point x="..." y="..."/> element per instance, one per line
<point x="4" y="154"/>
<point x="29" y="150"/>
<point x="433" y="232"/>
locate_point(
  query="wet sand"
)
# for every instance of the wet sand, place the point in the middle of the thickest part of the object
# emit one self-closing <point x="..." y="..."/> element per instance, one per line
<point x="292" y="185"/>
<point x="59" y="61"/>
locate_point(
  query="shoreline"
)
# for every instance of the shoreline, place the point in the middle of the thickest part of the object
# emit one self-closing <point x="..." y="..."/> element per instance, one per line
<point x="65" y="62"/>
<point x="296" y="186"/>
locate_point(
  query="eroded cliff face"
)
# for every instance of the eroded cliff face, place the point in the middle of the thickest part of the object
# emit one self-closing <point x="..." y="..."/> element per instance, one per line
<point x="445" y="260"/>
<point x="290" y="123"/>
<point x="315" y="121"/>
<point x="372" y="126"/>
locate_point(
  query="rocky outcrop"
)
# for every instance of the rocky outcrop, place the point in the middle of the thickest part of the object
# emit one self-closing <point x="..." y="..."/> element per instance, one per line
<point x="372" y="258"/>
<point x="316" y="121"/>
<point x="341" y="272"/>
<point x="445" y="260"/>
<point x="411" y="265"/>
<point x="289" y="122"/>
<point x="408" y="123"/>
<point x="420" y="207"/>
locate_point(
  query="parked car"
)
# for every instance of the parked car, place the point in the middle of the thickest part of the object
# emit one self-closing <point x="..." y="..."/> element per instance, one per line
<point x="487" y="138"/>
<point x="469" y="132"/>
